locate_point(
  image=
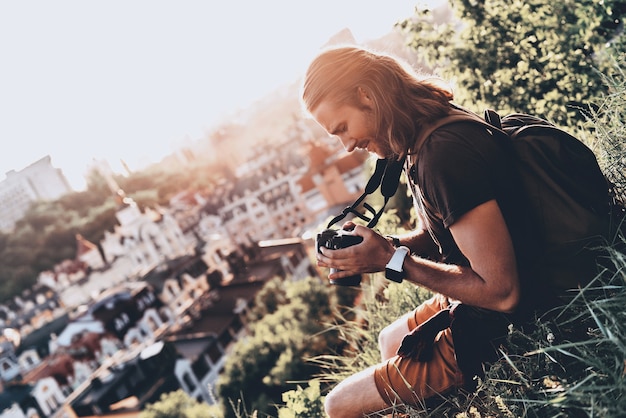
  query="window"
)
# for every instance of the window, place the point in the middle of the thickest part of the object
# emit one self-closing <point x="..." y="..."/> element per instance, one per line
<point x="200" y="367"/>
<point x="214" y="353"/>
<point x="188" y="380"/>
<point x="225" y="339"/>
<point x="52" y="404"/>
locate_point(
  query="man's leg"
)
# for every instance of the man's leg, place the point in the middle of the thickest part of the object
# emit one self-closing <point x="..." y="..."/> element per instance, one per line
<point x="359" y="395"/>
<point x="355" y="396"/>
<point x="391" y="336"/>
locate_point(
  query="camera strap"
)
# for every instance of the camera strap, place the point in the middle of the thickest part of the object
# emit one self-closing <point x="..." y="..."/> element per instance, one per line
<point x="386" y="176"/>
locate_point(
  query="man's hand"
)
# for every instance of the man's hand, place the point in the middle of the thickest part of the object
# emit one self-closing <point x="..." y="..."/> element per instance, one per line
<point x="369" y="256"/>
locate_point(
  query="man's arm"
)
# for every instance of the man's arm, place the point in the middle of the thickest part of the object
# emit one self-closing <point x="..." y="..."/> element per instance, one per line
<point x="420" y="242"/>
<point x="491" y="280"/>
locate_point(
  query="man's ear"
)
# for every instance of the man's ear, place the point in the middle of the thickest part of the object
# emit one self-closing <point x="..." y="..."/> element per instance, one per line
<point x="364" y="97"/>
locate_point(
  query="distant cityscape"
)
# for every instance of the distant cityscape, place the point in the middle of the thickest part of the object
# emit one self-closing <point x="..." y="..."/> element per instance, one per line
<point x="159" y="302"/>
<point x="157" y="305"/>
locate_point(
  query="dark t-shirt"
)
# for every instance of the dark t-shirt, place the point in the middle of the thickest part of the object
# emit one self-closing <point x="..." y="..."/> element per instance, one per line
<point x="459" y="167"/>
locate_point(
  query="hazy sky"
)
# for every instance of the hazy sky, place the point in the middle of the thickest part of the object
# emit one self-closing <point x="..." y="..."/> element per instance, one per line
<point x="132" y="79"/>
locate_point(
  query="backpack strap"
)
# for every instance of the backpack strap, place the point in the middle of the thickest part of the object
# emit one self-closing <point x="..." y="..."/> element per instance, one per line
<point x="458" y="114"/>
<point x="493" y="118"/>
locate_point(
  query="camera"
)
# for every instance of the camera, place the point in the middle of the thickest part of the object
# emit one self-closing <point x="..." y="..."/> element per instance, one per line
<point x="335" y="239"/>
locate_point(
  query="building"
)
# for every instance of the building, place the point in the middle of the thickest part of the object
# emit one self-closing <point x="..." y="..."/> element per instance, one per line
<point x="146" y="238"/>
<point x="279" y="194"/>
<point x="264" y="202"/>
<point x="160" y="302"/>
<point x="33" y="310"/>
<point x="142" y="379"/>
<point x="332" y="179"/>
<point x="40" y="399"/>
<point x="39" y="181"/>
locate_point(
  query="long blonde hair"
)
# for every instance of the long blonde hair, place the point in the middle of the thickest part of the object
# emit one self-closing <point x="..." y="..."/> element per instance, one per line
<point x="402" y="103"/>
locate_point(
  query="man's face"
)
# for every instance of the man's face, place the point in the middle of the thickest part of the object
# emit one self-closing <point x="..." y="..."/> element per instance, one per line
<point x="354" y="126"/>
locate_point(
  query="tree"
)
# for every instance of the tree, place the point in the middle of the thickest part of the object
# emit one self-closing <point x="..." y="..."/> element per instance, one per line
<point x="274" y="357"/>
<point x="303" y="402"/>
<point x="268" y="300"/>
<point x="540" y="57"/>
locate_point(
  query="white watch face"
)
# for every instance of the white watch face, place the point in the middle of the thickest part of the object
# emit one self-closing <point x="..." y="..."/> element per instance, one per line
<point x="397" y="260"/>
<point x="393" y="269"/>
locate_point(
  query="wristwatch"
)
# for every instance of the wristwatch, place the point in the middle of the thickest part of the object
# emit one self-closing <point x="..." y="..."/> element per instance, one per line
<point x="393" y="269"/>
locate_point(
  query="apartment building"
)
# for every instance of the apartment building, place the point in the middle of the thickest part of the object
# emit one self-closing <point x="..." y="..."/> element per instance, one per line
<point x="38" y="181"/>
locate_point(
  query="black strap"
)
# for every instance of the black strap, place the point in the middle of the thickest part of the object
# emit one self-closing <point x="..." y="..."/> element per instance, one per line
<point x="387" y="176"/>
<point x="493" y="118"/>
<point x="388" y="172"/>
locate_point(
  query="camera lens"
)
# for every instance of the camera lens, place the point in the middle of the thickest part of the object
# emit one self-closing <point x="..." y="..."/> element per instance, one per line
<point x="334" y="240"/>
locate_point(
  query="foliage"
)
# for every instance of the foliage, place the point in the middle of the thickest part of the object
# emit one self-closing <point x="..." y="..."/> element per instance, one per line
<point x="609" y="127"/>
<point x="178" y="405"/>
<point x="303" y="403"/>
<point x="571" y="364"/>
<point x="539" y="57"/>
<point x="550" y="371"/>
<point x="268" y="300"/>
<point x="273" y="358"/>
<point x="553" y="371"/>
<point x="381" y="304"/>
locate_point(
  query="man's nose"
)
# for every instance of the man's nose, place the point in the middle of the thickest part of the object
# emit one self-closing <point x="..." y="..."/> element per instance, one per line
<point x="348" y="143"/>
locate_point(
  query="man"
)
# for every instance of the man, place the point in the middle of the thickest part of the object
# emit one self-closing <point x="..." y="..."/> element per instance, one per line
<point x="471" y="245"/>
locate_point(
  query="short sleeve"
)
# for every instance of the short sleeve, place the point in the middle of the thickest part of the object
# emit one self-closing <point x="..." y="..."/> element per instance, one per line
<point x="454" y="170"/>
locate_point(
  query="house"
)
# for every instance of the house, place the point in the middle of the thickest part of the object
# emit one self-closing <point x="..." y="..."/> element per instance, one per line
<point x="32" y="309"/>
<point x="331" y="179"/>
<point x="210" y="329"/>
<point x="88" y="253"/>
<point x="159" y="308"/>
<point x="41" y="399"/>
<point x="142" y="379"/>
<point x="122" y="311"/>
<point x="144" y="238"/>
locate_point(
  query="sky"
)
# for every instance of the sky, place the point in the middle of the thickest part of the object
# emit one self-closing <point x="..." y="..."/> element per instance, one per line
<point x="132" y="80"/>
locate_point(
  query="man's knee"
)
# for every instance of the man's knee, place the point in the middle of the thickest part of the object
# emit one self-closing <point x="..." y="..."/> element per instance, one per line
<point x="355" y="396"/>
<point x="391" y="336"/>
<point x="385" y="345"/>
<point x="333" y="405"/>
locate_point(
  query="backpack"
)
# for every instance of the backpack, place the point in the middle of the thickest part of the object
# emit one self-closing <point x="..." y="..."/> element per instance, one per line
<point x="573" y="207"/>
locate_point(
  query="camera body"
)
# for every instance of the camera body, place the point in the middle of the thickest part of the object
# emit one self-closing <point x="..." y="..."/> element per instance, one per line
<point x="336" y="239"/>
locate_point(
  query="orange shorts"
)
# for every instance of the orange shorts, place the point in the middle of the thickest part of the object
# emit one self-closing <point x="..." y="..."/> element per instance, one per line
<point x="408" y="381"/>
